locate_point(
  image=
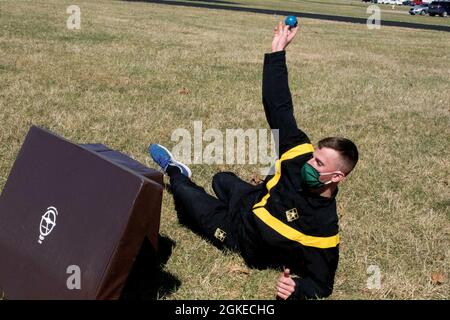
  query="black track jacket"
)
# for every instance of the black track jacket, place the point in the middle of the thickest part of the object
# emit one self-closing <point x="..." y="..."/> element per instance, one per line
<point x="287" y="226"/>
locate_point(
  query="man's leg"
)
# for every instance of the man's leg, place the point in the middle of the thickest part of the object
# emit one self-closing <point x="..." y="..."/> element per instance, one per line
<point x="201" y="212"/>
<point x="224" y="183"/>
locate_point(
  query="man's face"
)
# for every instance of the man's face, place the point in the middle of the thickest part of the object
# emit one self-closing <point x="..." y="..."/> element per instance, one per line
<point x="326" y="161"/>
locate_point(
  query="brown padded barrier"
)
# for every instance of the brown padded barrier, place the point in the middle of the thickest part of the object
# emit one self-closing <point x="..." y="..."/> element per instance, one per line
<point x="102" y="210"/>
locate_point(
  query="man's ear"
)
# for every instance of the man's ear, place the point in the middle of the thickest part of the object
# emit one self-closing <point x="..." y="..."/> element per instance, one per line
<point x="338" y="177"/>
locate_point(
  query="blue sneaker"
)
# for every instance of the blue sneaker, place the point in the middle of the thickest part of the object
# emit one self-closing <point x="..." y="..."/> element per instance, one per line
<point x="164" y="158"/>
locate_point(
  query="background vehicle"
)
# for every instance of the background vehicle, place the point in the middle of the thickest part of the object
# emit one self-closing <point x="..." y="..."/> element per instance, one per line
<point x="395" y="2"/>
<point x="422" y="9"/>
<point x="441" y="8"/>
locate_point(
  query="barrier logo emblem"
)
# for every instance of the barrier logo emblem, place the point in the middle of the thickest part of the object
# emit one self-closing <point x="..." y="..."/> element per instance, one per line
<point x="48" y="223"/>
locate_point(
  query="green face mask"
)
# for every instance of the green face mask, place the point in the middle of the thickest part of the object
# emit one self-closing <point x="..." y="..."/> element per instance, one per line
<point x="310" y="177"/>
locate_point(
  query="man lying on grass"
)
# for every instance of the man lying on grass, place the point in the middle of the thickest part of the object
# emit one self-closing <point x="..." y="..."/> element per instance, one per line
<point x="290" y="220"/>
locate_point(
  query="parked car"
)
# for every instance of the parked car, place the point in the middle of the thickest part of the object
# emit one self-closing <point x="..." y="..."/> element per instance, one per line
<point x="396" y="2"/>
<point x="408" y="3"/>
<point x="441" y="8"/>
<point x="422" y="9"/>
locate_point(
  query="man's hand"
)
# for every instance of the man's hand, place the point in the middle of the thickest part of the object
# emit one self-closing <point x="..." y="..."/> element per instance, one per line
<point x="285" y="285"/>
<point x="282" y="36"/>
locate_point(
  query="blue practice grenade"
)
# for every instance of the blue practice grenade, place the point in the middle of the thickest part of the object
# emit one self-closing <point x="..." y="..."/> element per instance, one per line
<point x="291" y="21"/>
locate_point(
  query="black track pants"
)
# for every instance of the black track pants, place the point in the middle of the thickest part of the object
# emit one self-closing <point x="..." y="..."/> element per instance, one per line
<point x="206" y="215"/>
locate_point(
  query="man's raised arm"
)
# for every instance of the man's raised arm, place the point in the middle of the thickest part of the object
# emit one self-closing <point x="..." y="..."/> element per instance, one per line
<point x="277" y="99"/>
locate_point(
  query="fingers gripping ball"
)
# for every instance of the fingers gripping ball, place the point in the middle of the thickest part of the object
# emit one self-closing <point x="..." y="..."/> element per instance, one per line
<point x="291" y="21"/>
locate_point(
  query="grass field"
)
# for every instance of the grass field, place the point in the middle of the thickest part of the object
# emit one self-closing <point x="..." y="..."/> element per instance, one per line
<point x="136" y="72"/>
<point x="348" y="8"/>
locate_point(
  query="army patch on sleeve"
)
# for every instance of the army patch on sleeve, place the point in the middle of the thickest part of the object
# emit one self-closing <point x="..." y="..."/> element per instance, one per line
<point x="292" y="215"/>
<point x="220" y="234"/>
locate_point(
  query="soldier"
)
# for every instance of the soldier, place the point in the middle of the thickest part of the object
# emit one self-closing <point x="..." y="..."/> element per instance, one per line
<point x="290" y="220"/>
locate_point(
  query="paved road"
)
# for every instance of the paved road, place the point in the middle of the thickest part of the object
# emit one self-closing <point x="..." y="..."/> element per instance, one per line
<point x="216" y="4"/>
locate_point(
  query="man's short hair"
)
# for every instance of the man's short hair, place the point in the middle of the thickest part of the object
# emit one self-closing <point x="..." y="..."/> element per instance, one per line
<point x="345" y="147"/>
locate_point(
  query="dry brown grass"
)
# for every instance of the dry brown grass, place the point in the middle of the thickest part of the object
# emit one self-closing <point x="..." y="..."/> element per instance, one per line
<point x="118" y="81"/>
